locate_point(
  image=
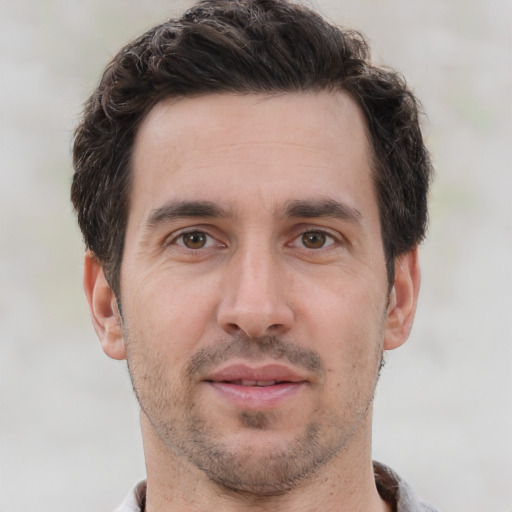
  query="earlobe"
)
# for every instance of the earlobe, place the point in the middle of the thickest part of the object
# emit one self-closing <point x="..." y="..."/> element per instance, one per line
<point x="402" y="300"/>
<point x="103" y="308"/>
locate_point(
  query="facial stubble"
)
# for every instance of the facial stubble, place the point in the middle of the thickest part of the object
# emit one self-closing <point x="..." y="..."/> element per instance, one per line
<point x="239" y="469"/>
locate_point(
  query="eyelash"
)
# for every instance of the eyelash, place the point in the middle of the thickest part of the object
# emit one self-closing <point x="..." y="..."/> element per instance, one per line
<point x="330" y="239"/>
<point x="179" y="237"/>
<point x="334" y="240"/>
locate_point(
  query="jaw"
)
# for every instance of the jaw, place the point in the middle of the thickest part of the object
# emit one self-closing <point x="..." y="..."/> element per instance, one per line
<point x="275" y="477"/>
<point x="262" y="452"/>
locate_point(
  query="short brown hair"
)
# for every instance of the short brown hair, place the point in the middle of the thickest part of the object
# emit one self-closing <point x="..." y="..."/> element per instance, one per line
<point x="245" y="46"/>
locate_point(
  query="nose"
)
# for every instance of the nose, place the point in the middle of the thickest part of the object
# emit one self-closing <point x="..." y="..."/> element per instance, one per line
<point x="253" y="298"/>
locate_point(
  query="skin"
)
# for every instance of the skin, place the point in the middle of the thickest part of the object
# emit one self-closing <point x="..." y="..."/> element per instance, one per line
<point x="253" y="239"/>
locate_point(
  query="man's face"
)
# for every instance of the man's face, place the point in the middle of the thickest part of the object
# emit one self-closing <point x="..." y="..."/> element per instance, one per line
<point x="253" y="284"/>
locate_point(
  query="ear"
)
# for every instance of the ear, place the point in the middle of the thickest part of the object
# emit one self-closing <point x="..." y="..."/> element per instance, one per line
<point x="402" y="300"/>
<point x="103" y="308"/>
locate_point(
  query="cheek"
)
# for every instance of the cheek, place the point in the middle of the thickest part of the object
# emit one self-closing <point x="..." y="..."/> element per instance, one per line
<point x="346" y="322"/>
<point x="168" y="316"/>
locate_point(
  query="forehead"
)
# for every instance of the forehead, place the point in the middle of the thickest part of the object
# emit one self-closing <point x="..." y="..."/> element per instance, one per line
<point x="228" y="148"/>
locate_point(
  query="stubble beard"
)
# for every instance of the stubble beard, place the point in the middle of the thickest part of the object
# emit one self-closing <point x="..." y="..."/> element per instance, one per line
<point x="241" y="469"/>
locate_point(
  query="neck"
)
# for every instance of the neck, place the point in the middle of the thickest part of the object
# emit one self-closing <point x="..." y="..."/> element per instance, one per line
<point x="345" y="484"/>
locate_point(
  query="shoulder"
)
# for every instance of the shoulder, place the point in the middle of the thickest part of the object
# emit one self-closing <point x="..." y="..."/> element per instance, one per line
<point x="397" y="491"/>
<point x="135" y="500"/>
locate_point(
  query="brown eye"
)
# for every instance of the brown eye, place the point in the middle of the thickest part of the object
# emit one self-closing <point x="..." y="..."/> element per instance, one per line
<point x="314" y="239"/>
<point x="195" y="240"/>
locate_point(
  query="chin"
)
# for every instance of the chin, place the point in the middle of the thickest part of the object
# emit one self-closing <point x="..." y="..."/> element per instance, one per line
<point x="259" y="462"/>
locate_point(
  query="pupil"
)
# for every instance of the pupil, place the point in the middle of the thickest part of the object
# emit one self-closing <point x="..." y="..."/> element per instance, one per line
<point x="313" y="240"/>
<point x="194" y="240"/>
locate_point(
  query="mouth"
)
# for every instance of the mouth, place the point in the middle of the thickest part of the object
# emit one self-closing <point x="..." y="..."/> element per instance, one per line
<point x="251" y="383"/>
<point x="261" y="375"/>
<point x="256" y="388"/>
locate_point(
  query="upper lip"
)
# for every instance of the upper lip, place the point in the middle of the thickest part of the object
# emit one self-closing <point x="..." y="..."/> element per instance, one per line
<point x="265" y="372"/>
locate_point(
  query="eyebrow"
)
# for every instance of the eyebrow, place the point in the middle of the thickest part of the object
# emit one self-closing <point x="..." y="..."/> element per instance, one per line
<point x="310" y="209"/>
<point x="178" y="209"/>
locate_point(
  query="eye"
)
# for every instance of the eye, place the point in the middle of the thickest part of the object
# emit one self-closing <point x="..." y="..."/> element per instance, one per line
<point x="316" y="239"/>
<point x="195" y="240"/>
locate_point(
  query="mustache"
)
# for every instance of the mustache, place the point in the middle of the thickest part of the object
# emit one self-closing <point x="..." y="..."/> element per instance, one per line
<point x="255" y="349"/>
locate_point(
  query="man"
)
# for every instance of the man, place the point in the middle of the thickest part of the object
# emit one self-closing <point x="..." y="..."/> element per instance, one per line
<point x="252" y="193"/>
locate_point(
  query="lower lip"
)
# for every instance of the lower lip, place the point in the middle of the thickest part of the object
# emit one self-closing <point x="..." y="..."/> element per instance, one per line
<point x="257" y="397"/>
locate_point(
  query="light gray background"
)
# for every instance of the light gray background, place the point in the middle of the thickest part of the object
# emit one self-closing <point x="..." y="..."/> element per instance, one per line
<point x="69" y="438"/>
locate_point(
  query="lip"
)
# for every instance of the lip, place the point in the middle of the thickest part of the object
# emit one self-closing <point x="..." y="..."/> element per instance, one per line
<point x="266" y="372"/>
<point x="278" y="384"/>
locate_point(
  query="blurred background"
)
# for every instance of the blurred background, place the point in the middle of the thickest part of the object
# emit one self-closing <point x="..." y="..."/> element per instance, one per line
<point x="69" y="434"/>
